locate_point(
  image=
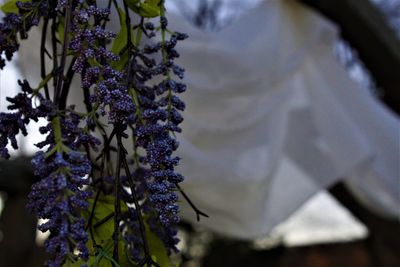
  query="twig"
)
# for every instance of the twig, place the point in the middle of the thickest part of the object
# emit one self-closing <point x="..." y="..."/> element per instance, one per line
<point x="54" y="49"/>
<point x="90" y="220"/>
<point x="117" y="205"/>
<point x="67" y="27"/>
<point x="198" y="212"/>
<point x="148" y="259"/>
<point x="67" y="85"/>
<point x="42" y="59"/>
<point x="102" y="221"/>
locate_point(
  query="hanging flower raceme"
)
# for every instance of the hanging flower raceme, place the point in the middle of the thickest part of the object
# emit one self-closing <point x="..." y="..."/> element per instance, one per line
<point x="159" y="118"/>
<point x="58" y="197"/>
<point x="24" y="110"/>
<point x="16" y="25"/>
<point x="102" y="200"/>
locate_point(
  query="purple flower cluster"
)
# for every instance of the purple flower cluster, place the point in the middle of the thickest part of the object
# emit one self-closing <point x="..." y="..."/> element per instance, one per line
<point x="89" y="45"/>
<point x="13" y="123"/>
<point x="60" y="194"/>
<point x="141" y="95"/>
<point x="130" y="227"/>
<point x="87" y="37"/>
<point x="158" y="118"/>
<point x="19" y="24"/>
<point x="58" y="197"/>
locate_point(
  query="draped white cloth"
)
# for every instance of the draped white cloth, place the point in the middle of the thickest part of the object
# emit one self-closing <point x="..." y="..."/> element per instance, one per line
<point x="272" y="118"/>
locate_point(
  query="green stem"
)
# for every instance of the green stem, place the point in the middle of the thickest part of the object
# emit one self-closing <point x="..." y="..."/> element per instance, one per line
<point x="57" y="130"/>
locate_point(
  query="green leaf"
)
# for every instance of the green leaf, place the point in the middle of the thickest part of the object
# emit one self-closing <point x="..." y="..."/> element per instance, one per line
<point x="149" y="8"/>
<point x="155" y="3"/>
<point x="60" y="29"/>
<point x="157" y="249"/>
<point x="121" y="63"/>
<point x="102" y="255"/>
<point x="146" y="9"/>
<point x="120" y="43"/>
<point x="101" y="258"/>
<point x="120" y="40"/>
<point x="78" y="263"/>
<point x="134" y="5"/>
<point x="10" y="6"/>
<point x="104" y="207"/>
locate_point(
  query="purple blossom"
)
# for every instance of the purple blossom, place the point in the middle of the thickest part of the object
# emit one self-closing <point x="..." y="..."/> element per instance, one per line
<point x="159" y="116"/>
<point x="14" y="25"/>
<point x="11" y="124"/>
<point x="141" y="96"/>
<point x="60" y="195"/>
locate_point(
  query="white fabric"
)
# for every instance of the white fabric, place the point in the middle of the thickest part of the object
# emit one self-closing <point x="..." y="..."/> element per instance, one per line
<point x="272" y="118"/>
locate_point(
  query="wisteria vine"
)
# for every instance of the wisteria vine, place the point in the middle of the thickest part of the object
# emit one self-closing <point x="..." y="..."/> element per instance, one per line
<point x="108" y="186"/>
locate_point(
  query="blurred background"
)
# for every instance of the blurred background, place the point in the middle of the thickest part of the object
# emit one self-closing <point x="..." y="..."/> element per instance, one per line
<point x="332" y="229"/>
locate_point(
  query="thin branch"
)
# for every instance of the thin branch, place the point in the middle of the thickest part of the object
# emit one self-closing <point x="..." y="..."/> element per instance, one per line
<point x="147" y="260"/>
<point x="67" y="26"/>
<point x="117" y="205"/>
<point x="106" y="144"/>
<point x="54" y="49"/>
<point x="104" y="220"/>
<point x="67" y="85"/>
<point x="42" y="54"/>
<point x="90" y="220"/>
<point x="188" y="200"/>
